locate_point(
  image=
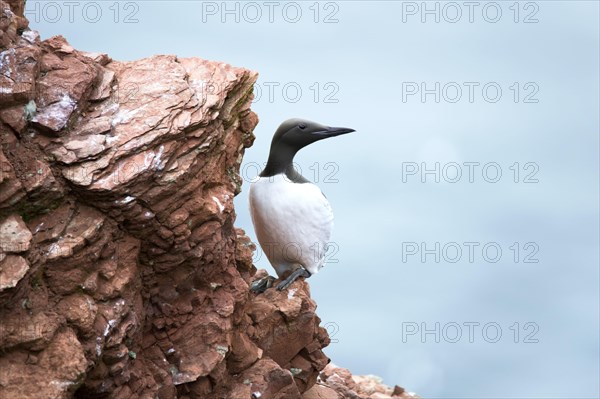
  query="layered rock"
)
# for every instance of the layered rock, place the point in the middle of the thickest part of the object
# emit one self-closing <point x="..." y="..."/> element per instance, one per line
<point x="121" y="272"/>
<point x="338" y="383"/>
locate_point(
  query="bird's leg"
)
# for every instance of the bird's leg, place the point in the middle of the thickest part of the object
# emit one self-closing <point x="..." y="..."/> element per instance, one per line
<point x="262" y="284"/>
<point x="300" y="272"/>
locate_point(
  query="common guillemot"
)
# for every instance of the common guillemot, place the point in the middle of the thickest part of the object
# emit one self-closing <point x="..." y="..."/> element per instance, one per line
<point x="291" y="216"/>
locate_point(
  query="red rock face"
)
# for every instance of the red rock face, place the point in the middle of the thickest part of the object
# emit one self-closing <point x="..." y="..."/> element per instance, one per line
<point x="121" y="272"/>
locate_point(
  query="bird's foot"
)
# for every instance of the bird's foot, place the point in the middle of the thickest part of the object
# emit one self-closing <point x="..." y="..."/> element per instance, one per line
<point x="300" y="272"/>
<point x="262" y="284"/>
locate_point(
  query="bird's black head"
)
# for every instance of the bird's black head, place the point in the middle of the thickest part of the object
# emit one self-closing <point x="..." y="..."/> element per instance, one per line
<point x="293" y="135"/>
<point x="298" y="133"/>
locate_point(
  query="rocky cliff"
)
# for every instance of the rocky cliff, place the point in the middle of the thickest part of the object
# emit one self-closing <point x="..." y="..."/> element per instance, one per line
<point x="121" y="272"/>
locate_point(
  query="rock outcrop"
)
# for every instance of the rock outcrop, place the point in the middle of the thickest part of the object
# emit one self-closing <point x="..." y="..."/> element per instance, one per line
<point x="121" y="272"/>
<point x="338" y="383"/>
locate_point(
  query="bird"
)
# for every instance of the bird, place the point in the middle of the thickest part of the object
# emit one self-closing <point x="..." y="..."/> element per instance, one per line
<point x="292" y="218"/>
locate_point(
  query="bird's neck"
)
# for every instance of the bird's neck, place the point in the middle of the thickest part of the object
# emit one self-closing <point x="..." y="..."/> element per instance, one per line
<point x="281" y="160"/>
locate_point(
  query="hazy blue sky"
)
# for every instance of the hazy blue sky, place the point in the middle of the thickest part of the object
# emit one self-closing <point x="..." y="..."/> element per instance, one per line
<point x="475" y="88"/>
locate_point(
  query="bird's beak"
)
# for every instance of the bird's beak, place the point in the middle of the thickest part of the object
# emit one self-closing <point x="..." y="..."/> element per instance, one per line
<point x="332" y="132"/>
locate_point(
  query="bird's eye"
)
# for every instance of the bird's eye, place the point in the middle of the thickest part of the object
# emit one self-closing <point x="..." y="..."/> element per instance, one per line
<point x="302" y="126"/>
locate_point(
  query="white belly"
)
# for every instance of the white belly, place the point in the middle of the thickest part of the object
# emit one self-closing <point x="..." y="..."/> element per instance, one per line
<point x="293" y="222"/>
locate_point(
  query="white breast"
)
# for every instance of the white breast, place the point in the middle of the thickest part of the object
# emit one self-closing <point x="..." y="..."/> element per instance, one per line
<point x="293" y="222"/>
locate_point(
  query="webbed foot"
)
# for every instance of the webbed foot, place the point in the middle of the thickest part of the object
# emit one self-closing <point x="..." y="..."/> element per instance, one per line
<point x="300" y="272"/>
<point x="262" y="284"/>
